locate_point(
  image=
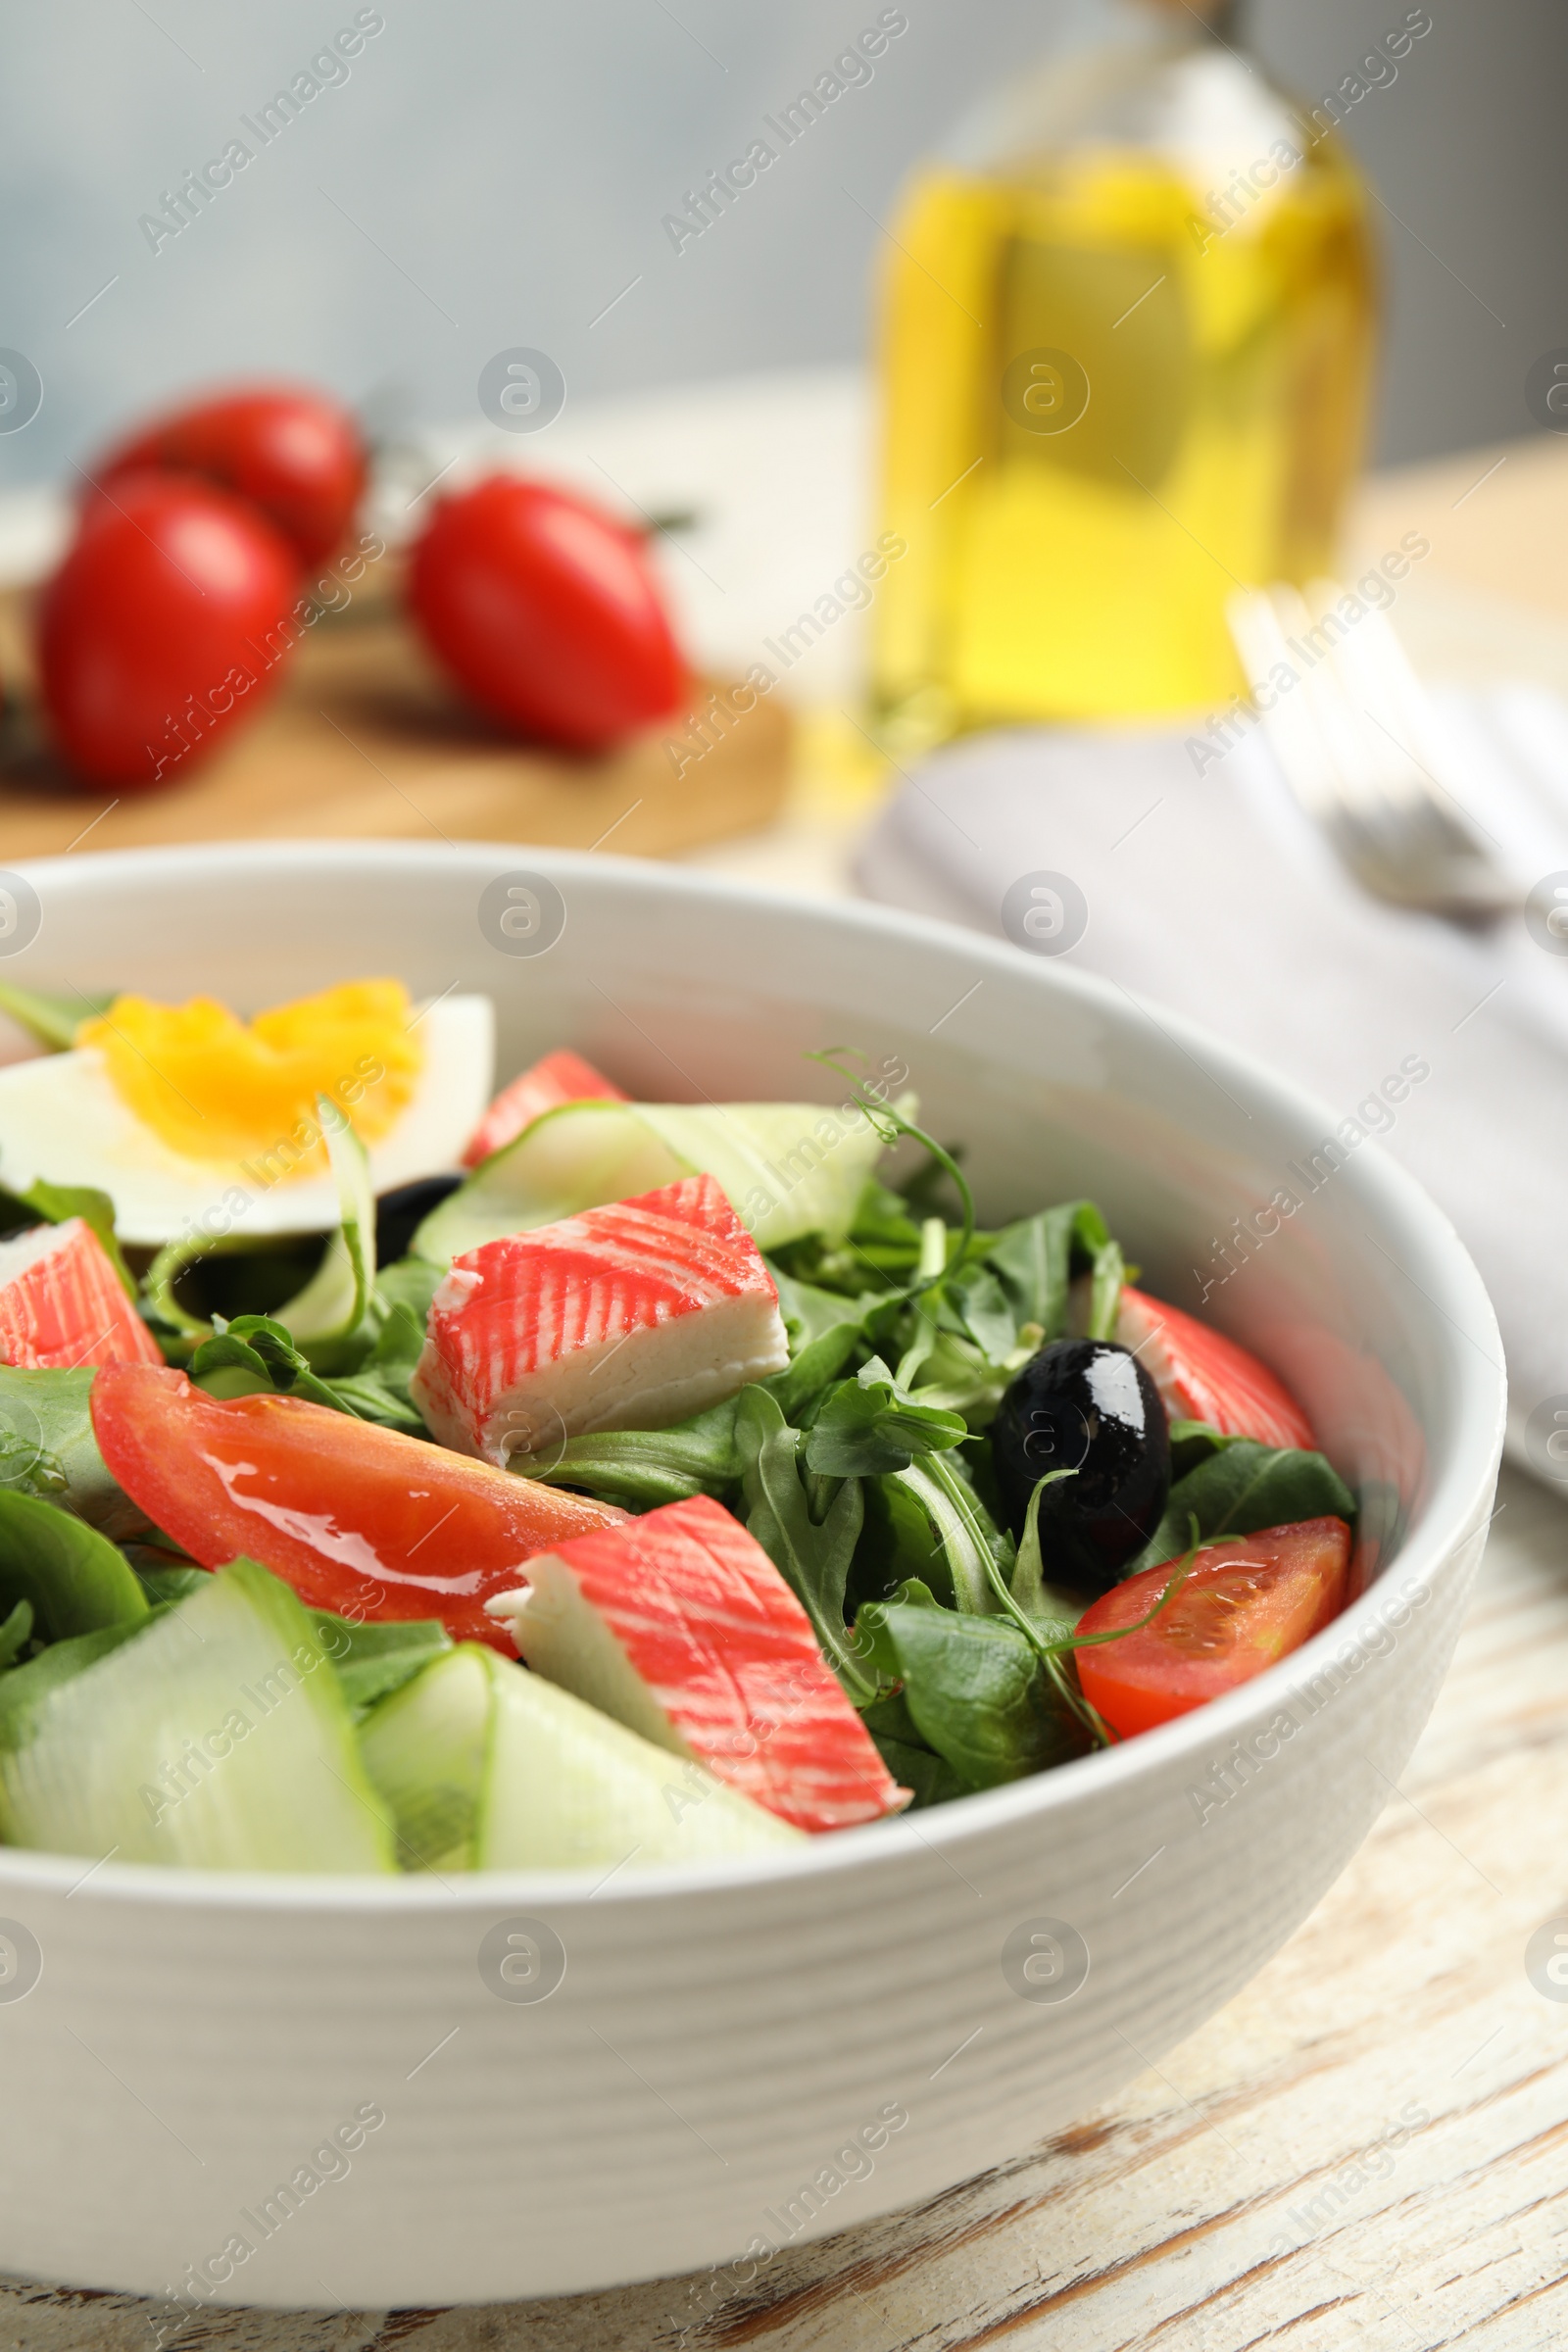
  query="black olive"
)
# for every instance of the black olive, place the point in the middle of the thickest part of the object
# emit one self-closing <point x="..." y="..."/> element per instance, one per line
<point x="1089" y="1407"/>
<point x="400" y="1212"/>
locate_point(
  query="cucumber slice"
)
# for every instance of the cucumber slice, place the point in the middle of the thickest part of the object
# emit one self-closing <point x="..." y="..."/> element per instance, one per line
<point x="172" y="1259"/>
<point x="216" y="1735"/>
<point x="788" y="1167"/>
<point x="323" y="1317"/>
<point x="489" y="1767"/>
<point x="569" y="1159"/>
<point x="425" y="1749"/>
<point x="565" y="1786"/>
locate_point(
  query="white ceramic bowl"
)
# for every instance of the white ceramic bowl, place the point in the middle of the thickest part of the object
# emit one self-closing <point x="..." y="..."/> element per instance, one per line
<point x="723" y="2066"/>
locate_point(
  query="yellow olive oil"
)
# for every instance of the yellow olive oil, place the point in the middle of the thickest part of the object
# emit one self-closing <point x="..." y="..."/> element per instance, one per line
<point x="1125" y="370"/>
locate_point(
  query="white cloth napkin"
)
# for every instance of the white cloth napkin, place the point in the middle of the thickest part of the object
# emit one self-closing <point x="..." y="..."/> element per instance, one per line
<point x="1214" y="894"/>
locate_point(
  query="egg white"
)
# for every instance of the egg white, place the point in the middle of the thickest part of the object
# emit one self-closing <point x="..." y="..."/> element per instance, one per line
<point x="62" y="1120"/>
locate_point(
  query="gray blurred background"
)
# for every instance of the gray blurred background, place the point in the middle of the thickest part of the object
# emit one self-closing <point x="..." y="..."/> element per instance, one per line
<point x="497" y="175"/>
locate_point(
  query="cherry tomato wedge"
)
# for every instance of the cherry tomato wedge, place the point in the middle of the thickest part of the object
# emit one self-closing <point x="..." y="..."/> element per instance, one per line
<point x="295" y="454"/>
<point x="160" y="634"/>
<point x="546" y="612"/>
<point x="353" y="1516"/>
<point x="1245" y="1605"/>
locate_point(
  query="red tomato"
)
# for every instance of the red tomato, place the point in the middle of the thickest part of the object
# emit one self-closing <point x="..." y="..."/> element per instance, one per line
<point x="160" y="634"/>
<point x="353" y="1516"/>
<point x="546" y="612"/>
<point x="1245" y="1605"/>
<point x="296" y="454"/>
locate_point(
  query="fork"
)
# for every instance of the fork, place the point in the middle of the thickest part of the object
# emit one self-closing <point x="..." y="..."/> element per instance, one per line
<point x="1353" y="735"/>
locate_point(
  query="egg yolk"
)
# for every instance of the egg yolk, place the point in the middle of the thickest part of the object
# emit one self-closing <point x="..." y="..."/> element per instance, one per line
<point x="216" y="1088"/>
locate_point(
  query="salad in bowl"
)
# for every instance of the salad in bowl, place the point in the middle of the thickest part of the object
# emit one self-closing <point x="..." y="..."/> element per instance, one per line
<point x="398" y="1475"/>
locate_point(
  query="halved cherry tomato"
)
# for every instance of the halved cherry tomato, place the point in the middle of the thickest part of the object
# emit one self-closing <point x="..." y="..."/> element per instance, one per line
<point x="547" y="611"/>
<point x="160" y="633"/>
<point x="295" y="454"/>
<point x="353" y="1516"/>
<point x="1244" y="1604"/>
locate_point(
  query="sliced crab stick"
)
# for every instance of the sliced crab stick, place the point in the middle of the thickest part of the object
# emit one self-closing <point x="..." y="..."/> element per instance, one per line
<point x="679" y="1626"/>
<point x="1203" y="1376"/>
<point x="560" y="1077"/>
<point x="630" y="1316"/>
<point x="62" y="1303"/>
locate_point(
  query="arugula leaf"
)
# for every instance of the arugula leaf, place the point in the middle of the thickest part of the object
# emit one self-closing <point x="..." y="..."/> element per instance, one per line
<point x="883" y="1230"/>
<point x="56" y="1202"/>
<point x="26" y="1469"/>
<point x="919" y="1768"/>
<point x="46" y="1434"/>
<point x="1054" y="1611"/>
<point x="818" y="1362"/>
<point x="74" y="1579"/>
<point x="899" y="1542"/>
<point x="410" y="1282"/>
<point x="869" y="1425"/>
<point x="1241" y="1489"/>
<point x="378" y="1391"/>
<point x="15" y="1632"/>
<point x="813" y="1557"/>
<point x="371" y="1661"/>
<point x="985" y="1311"/>
<point x="642" y="1468"/>
<point x="808" y="1311"/>
<point x="1035" y="1259"/>
<point x="953" y="1374"/>
<point x="978" y="1555"/>
<point x="907" y="1756"/>
<point x="253" y="1353"/>
<point x="848" y="1269"/>
<point x="1192" y="1442"/>
<point x="973" y="1688"/>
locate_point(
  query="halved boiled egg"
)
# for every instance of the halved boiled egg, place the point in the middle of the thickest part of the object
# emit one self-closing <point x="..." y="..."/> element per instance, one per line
<point x="196" y="1122"/>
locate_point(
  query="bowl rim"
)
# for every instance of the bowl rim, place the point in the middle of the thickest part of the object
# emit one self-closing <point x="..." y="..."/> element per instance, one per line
<point x="1459" y="1487"/>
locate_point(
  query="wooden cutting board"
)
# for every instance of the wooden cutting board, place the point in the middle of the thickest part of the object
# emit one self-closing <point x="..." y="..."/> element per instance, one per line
<point x="366" y="740"/>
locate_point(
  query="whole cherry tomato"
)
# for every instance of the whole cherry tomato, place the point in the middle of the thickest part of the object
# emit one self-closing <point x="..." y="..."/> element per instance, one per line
<point x="295" y="454"/>
<point x="547" y="611"/>
<point x="355" y="1517"/>
<point x="165" y="628"/>
<point x="1244" y="1603"/>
